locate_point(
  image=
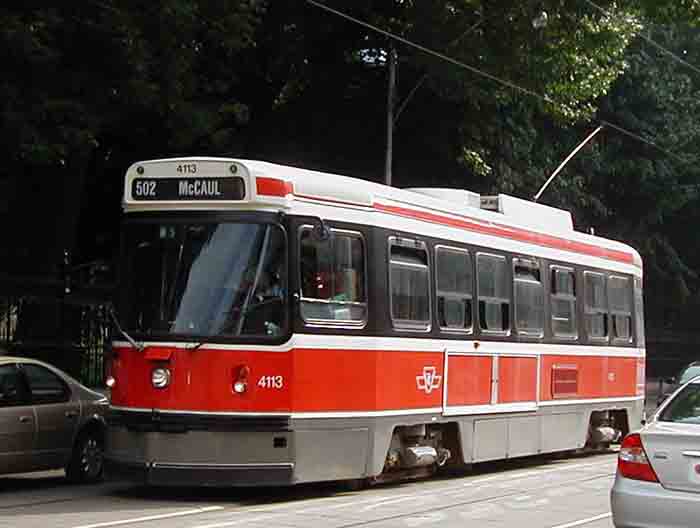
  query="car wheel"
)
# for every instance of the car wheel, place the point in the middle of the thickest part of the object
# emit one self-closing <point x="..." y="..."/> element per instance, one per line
<point x="86" y="463"/>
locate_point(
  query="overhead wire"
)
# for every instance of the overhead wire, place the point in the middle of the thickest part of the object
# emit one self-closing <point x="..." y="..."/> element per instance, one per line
<point x="429" y="51"/>
<point x="481" y="73"/>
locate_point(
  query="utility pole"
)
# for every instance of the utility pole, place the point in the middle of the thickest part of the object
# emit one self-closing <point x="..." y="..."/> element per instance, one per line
<point x="391" y="96"/>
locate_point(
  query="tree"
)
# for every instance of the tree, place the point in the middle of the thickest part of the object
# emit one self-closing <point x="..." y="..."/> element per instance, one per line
<point x="91" y="86"/>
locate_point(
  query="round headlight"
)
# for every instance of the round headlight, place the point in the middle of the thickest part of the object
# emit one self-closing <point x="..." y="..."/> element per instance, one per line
<point x="110" y="381"/>
<point x="160" y="377"/>
<point x="240" y="387"/>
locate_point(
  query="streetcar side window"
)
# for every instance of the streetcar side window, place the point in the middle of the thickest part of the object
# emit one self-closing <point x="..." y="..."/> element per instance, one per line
<point x="409" y="284"/>
<point x="595" y="305"/>
<point x="563" y="302"/>
<point x="528" y="293"/>
<point x="454" y="289"/>
<point x="333" y="278"/>
<point x="492" y="291"/>
<point x="620" y="299"/>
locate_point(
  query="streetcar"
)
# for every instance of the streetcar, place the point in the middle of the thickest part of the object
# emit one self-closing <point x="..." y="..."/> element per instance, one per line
<point x="279" y="325"/>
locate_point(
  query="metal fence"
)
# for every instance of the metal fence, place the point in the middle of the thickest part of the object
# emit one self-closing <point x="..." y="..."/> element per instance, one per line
<point x="73" y="337"/>
<point x="8" y="318"/>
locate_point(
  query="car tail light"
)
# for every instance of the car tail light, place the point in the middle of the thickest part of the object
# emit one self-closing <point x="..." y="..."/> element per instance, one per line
<point x="632" y="462"/>
<point x="240" y="379"/>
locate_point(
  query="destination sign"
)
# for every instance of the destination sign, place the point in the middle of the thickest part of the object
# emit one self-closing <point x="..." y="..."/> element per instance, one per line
<point x="174" y="189"/>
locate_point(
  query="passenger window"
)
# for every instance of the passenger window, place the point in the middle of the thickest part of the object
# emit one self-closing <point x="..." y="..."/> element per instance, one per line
<point x="563" y="301"/>
<point x="454" y="289"/>
<point x="44" y="385"/>
<point x="493" y="294"/>
<point x="333" y="278"/>
<point x="409" y="284"/>
<point x="13" y="389"/>
<point x="595" y="305"/>
<point x="620" y="299"/>
<point x="529" y="297"/>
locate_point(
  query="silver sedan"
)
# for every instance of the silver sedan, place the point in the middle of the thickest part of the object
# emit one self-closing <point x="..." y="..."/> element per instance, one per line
<point x="49" y="421"/>
<point x="658" y="471"/>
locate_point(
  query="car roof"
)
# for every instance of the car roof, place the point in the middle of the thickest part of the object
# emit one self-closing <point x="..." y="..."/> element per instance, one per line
<point x="4" y="360"/>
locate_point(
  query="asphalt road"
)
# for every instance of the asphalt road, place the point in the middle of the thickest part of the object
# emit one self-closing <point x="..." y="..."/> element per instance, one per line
<point x="542" y="492"/>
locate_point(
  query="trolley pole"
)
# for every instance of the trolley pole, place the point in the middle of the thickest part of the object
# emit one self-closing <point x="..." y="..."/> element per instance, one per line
<point x="391" y="95"/>
<point x="566" y="160"/>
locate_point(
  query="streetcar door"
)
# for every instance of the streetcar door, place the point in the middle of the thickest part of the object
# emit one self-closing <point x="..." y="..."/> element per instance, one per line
<point x="469" y="382"/>
<point x="483" y="383"/>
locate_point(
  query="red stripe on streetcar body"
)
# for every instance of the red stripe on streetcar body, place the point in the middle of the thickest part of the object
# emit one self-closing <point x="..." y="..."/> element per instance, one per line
<point x="330" y="380"/>
<point x="273" y="187"/>
<point x="513" y="233"/>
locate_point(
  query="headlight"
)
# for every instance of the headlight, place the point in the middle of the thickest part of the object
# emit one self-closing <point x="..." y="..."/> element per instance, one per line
<point x="160" y="377"/>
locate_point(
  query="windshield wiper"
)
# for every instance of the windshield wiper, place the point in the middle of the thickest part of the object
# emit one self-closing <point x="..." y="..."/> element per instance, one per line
<point x="115" y="320"/>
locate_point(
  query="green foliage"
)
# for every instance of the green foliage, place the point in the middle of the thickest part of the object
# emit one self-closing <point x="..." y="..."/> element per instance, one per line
<point x="91" y="88"/>
<point x="82" y="75"/>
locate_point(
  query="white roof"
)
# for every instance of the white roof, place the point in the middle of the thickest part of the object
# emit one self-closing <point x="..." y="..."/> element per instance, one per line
<point x="509" y="211"/>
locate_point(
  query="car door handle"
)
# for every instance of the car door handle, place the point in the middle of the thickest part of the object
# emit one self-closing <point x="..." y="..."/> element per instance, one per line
<point x="71" y="414"/>
<point x="25" y="419"/>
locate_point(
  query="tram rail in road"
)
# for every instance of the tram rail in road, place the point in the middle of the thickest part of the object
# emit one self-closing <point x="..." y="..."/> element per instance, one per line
<point x="537" y="493"/>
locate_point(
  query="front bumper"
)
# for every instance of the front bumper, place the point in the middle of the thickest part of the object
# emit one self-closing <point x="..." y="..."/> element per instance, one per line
<point x="162" y="448"/>
<point x="639" y="504"/>
<point x="223" y="475"/>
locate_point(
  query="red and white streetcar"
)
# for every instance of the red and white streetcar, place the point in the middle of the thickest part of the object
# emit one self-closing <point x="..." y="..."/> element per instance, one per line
<point x="284" y="325"/>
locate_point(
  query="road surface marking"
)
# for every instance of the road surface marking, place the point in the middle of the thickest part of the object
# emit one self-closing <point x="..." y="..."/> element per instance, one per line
<point x="584" y="521"/>
<point x="535" y="473"/>
<point x="389" y="502"/>
<point x="239" y="521"/>
<point x="135" y="520"/>
<point x="426" y="518"/>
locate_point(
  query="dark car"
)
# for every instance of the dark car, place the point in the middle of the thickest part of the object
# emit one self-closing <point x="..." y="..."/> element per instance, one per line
<point x="48" y="420"/>
<point x="669" y="385"/>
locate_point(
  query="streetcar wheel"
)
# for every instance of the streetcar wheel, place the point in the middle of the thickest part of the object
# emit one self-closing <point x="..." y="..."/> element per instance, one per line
<point x="87" y="461"/>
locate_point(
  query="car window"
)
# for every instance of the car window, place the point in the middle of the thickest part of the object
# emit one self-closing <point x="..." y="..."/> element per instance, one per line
<point x="685" y="407"/>
<point x="45" y="386"/>
<point x="689" y="373"/>
<point x="13" y="391"/>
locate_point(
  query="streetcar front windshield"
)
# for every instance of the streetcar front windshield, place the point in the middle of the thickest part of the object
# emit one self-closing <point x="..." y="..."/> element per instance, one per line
<point x="204" y="279"/>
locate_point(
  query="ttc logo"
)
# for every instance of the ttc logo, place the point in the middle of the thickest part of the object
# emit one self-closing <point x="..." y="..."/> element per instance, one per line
<point x="429" y="380"/>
